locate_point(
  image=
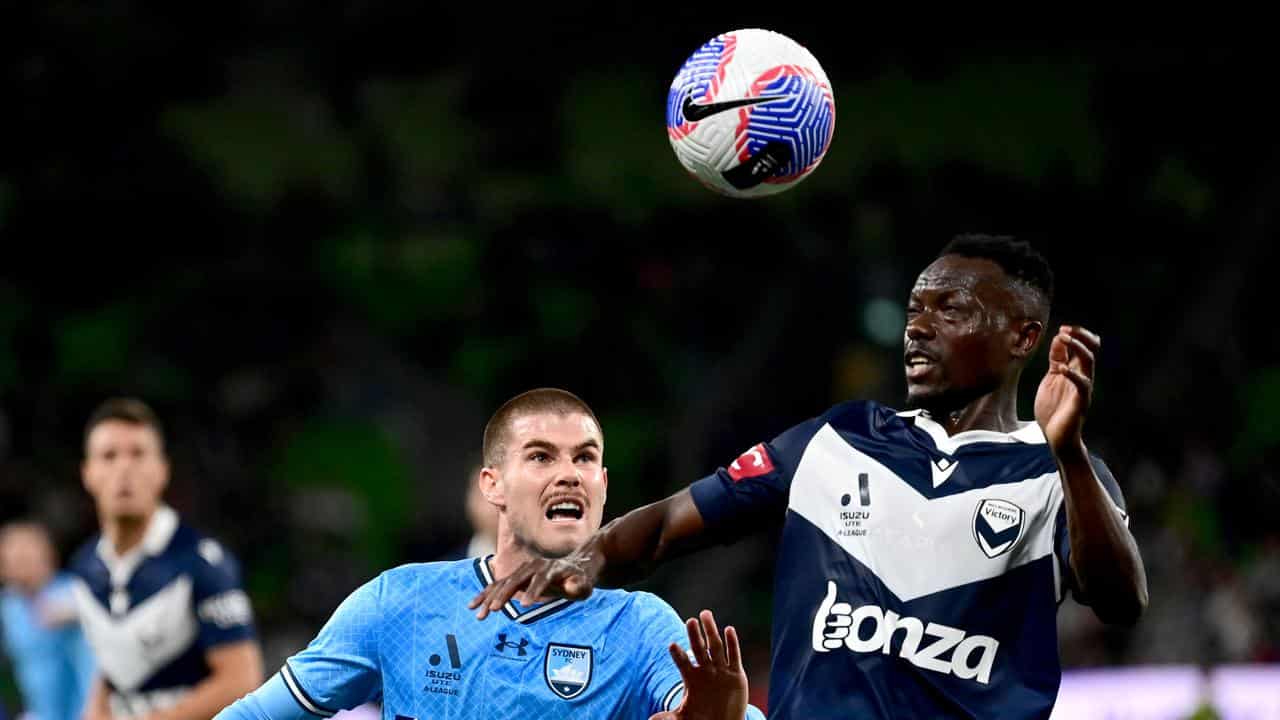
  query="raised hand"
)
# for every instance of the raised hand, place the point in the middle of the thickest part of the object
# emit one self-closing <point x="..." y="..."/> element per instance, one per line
<point x="715" y="688"/>
<point x="1063" y="399"/>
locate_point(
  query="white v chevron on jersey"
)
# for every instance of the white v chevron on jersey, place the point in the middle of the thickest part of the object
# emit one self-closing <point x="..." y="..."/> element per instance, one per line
<point x="902" y="527"/>
<point x="131" y="648"/>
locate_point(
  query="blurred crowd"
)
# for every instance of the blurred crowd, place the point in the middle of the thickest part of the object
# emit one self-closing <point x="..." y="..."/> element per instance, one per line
<point x="325" y="275"/>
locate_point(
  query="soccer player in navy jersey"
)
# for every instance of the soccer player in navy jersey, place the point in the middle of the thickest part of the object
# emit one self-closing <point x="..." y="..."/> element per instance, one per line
<point x="162" y="605"/>
<point x="923" y="553"/>
<point x="407" y="638"/>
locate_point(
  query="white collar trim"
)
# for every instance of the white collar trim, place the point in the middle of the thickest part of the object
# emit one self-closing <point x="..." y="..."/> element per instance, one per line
<point x="1028" y="433"/>
<point x="160" y="529"/>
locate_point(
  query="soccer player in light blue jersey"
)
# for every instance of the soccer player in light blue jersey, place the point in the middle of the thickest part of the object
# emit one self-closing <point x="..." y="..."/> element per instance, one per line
<point x="51" y="660"/>
<point x="407" y="638"/>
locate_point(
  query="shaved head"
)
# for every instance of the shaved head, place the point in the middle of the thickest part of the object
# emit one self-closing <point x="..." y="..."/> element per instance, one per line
<point x="497" y="432"/>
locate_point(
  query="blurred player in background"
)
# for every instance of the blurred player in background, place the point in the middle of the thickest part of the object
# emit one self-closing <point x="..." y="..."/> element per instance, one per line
<point x="52" y="662"/>
<point x="482" y="517"/>
<point x="923" y="553"/>
<point x="408" y="638"/>
<point x="161" y="604"/>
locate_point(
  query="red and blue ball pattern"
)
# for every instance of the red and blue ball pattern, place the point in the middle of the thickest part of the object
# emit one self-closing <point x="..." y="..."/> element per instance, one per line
<point x="702" y="76"/>
<point x="804" y="119"/>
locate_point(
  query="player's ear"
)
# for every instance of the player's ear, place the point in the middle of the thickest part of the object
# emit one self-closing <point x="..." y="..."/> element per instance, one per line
<point x="86" y="478"/>
<point x="604" y="485"/>
<point x="1026" y="338"/>
<point x="491" y="487"/>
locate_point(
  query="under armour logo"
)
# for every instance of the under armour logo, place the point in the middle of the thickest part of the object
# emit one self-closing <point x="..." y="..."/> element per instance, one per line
<point x="503" y="645"/>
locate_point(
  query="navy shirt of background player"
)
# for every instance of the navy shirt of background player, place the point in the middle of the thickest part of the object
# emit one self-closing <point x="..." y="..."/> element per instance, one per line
<point x="151" y="614"/>
<point x="918" y="574"/>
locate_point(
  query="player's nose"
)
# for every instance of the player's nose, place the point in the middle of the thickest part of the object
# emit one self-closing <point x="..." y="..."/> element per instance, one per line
<point x="919" y="328"/>
<point x="569" y="477"/>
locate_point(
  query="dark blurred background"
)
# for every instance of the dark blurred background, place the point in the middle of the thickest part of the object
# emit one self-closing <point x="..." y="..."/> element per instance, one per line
<point x="326" y="241"/>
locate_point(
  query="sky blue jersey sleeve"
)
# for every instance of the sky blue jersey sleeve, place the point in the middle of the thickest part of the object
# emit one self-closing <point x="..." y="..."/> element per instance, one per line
<point x="660" y="681"/>
<point x="339" y="670"/>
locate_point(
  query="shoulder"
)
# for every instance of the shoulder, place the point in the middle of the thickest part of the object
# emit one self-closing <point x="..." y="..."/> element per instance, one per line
<point x="204" y="555"/>
<point x="643" y="607"/>
<point x="84" y="562"/>
<point x="412" y="578"/>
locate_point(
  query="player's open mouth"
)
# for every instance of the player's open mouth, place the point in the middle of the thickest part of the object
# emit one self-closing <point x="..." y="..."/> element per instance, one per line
<point x="565" y="511"/>
<point x="919" y="364"/>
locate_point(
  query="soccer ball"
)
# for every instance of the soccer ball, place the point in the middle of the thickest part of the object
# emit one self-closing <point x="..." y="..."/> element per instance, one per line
<point x="750" y="113"/>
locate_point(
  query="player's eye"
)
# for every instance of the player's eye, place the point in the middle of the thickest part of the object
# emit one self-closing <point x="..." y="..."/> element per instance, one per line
<point x="586" y="457"/>
<point x="539" y="456"/>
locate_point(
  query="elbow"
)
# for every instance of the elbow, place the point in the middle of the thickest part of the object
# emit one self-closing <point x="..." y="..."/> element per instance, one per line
<point x="1125" y="608"/>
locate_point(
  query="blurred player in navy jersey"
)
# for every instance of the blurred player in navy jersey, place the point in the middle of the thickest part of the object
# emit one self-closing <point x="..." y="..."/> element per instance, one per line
<point x="923" y="553"/>
<point x="161" y="605"/>
<point x="407" y="638"/>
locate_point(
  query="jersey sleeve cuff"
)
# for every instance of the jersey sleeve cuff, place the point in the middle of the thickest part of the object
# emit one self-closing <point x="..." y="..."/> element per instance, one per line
<point x="712" y="499"/>
<point x="300" y="695"/>
<point x="671" y="699"/>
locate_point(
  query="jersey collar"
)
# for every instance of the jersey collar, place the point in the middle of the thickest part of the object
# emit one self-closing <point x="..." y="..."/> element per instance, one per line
<point x="1029" y="433"/>
<point x="160" y="529"/>
<point x="513" y="609"/>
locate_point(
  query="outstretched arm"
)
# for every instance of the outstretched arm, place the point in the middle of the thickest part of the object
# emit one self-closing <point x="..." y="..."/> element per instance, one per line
<point x="1105" y="561"/>
<point x="623" y="551"/>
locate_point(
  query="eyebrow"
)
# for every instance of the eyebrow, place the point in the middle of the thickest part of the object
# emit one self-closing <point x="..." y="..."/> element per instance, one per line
<point x="548" y="445"/>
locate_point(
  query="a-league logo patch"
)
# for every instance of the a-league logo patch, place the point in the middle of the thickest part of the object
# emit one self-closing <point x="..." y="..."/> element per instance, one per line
<point x="752" y="463"/>
<point x="997" y="525"/>
<point x="567" y="669"/>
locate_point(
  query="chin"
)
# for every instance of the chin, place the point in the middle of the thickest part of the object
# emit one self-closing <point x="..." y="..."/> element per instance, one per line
<point x="923" y="398"/>
<point x="558" y="548"/>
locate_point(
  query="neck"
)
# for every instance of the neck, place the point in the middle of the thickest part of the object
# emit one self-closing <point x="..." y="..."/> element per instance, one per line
<point x="126" y="533"/>
<point x="509" y="554"/>
<point x="996" y="411"/>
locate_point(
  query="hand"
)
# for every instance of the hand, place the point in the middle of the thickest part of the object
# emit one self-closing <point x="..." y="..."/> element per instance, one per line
<point x="572" y="577"/>
<point x="715" y="688"/>
<point x="1067" y="388"/>
<point x="93" y="712"/>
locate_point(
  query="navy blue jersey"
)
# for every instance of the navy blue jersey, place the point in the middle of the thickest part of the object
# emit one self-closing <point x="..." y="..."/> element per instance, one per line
<point x="151" y="614"/>
<point x="408" y="639"/>
<point x="918" y="574"/>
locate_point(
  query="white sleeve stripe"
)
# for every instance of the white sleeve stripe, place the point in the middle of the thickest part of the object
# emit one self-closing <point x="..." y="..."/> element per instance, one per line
<point x="671" y="695"/>
<point x="296" y="690"/>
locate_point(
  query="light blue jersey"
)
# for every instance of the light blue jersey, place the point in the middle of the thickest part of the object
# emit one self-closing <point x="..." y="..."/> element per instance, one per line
<point x="407" y="638"/>
<point x="53" y="665"/>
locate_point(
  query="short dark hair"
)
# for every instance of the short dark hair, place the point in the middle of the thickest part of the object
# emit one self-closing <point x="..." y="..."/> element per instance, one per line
<point x="125" y="409"/>
<point x="539" y="400"/>
<point x="1016" y="257"/>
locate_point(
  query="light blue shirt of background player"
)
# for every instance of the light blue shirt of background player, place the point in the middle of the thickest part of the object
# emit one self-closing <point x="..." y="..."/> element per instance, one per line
<point x="408" y="639"/>
<point x="52" y="662"/>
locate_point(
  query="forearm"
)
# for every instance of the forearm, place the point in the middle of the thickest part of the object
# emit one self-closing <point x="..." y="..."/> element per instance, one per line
<point x="628" y="548"/>
<point x="97" y="704"/>
<point x="221" y="688"/>
<point x="1104" y="556"/>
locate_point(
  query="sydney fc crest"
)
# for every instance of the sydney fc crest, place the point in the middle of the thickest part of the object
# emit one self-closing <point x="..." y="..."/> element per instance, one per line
<point x="997" y="525"/>
<point x="567" y="669"/>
